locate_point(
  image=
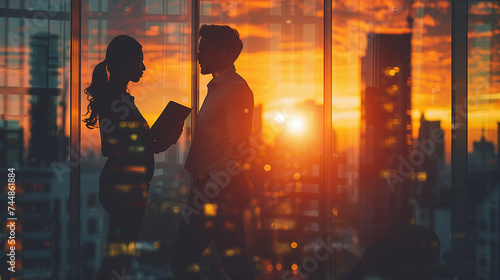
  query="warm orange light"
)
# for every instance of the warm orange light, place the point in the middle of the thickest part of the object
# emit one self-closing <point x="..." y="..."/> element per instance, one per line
<point x="389" y="106"/>
<point x="294" y="245"/>
<point x="211" y="209"/>
<point x="193" y="268"/>
<point x="335" y="212"/>
<point x="295" y="267"/>
<point x="136" y="168"/>
<point x="269" y="267"/>
<point x="422" y="176"/>
<point x="279" y="266"/>
<point x="267" y="167"/>
<point x="279" y="118"/>
<point x="296" y="125"/>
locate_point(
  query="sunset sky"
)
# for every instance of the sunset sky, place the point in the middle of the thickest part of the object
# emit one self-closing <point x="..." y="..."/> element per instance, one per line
<point x="284" y="66"/>
<point x="283" y="57"/>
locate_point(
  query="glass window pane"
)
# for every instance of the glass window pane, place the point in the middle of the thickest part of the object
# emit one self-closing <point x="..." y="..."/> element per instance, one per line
<point x="93" y="5"/>
<point x="155" y="6"/>
<point x="392" y="127"/>
<point x="14" y="4"/>
<point x="166" y="47"/>
<point x="34" y="133"/>
<point x="392" y="134"/>
<point x="483" y="137"/>
<point x="282" y="62"/>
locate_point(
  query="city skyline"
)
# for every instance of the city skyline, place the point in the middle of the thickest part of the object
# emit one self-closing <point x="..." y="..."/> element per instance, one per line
<point x="300" y="199"/>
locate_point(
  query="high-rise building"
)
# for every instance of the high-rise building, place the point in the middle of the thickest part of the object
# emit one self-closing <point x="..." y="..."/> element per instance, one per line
<point x="44" y="92"/>
<point x="11" y="144"/>
<point x="498" y="144"/>
<point x="41" y="199"/>
<point x="386" y="139"/>
<point x="431" y="196"/>
<point x="484" y="233"/>
<point x="430" y="143"/>
<point x="482" y="158"/>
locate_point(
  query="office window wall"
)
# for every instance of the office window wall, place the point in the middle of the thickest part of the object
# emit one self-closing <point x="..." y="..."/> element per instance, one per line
<point x="34" y="131"/>
<point x="354" y="140"/>
<point x="482" y="144"/>
<point x="163" y="28"/>
<point x="282" y="61"/>
<point x="391" y="114"/>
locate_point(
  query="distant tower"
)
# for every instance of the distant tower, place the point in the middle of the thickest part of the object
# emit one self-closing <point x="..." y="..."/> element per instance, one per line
<point x="11" y="144"/>
<point x="434" y="161"/>
<point x="498" y="145"/>
<point x="483" y="155"/>
<point x="44" y="62"/>
<point x="385" y="133"/>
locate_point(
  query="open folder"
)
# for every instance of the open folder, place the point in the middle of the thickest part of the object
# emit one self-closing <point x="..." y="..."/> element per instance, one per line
<point x="170" y="122"/>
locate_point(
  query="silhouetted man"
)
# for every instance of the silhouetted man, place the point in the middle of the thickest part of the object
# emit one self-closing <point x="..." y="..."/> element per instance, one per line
<point x="221" y="191"/>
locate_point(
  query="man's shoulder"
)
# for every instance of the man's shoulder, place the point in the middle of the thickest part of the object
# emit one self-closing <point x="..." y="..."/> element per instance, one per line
<point x="235" y="81"/>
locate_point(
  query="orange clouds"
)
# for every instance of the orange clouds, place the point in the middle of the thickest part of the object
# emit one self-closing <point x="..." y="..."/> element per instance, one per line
<point x="428" y="20"/>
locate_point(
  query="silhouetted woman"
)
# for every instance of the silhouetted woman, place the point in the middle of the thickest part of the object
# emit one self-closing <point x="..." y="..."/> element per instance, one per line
<point x="126" y="142"/>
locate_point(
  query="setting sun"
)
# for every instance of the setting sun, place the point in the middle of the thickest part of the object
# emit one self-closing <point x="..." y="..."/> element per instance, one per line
<point x="296" y="125"/>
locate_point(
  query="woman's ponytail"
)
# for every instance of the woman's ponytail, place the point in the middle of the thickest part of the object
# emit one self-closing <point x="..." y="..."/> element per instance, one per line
<point x="95" y="93"/>
<point x="121" y="49"/>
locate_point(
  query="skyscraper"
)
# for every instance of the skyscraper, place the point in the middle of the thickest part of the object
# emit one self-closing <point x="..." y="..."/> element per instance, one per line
<point x="483" y="157"/>
<point x="386" y="140"/>
<point x="44" y="92"/>
<point x="433" y="163"/>
<point x="11" y="144"/>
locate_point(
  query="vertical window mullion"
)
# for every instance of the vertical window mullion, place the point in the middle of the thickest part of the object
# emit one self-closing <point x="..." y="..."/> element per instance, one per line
<point x="459" y="137"/>
<point x="328" y="187"/>
<point x="75" y="81"/>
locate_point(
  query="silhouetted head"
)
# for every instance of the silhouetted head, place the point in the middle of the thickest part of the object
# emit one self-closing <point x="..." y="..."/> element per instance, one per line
<point x="219" y="47"/>
<point x="124" y="57"/>
<point x="124" y="62"/>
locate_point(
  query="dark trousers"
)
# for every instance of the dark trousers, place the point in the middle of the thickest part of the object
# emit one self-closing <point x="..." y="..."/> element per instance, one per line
<point x="220" y="222"/>
<point x="123" y="194"/>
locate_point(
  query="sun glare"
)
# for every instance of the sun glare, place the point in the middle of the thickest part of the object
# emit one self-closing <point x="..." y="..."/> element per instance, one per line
<point x="296" y="125"/>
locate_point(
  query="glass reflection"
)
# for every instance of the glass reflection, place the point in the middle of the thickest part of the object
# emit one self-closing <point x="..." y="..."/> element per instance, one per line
<point x="163" y="29"/>
<point x="483" y="136"/>
<point x="34" y="44"/>
<point x="391" y="113"/>
<point x="283" y="61"/>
